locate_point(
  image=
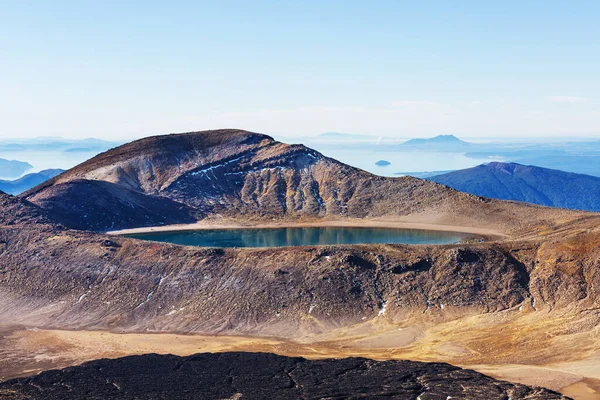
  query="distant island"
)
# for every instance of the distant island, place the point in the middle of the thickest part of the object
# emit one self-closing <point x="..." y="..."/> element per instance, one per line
<point x="383" y="163"/>
<point x="438" y="142"/>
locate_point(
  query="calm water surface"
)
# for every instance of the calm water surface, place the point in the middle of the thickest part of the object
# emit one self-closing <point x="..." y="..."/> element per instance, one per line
<point x="274" y="237"/>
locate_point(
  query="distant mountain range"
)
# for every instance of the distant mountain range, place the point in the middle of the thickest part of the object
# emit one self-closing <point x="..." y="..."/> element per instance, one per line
<point x="13" y="168"/>
<point x="28" y="181"/>
<point x="512" y="181"/>
<point x="56" y="144"/>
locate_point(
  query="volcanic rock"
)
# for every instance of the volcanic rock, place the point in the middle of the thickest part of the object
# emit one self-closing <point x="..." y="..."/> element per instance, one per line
<point x="263" y="376"/>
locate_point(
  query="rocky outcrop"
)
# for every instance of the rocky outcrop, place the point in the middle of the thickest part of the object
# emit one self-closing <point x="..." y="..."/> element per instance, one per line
<point x="264" y="376"/>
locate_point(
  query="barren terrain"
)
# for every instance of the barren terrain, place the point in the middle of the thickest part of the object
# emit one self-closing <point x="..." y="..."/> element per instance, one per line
<point x="523" y="305"/>
<point x="518" y="346"/>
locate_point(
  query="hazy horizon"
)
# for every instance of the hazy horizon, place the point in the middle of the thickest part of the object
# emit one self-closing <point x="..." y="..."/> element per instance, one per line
<point x="117" y="71"/>
<point x="299" y="136"/>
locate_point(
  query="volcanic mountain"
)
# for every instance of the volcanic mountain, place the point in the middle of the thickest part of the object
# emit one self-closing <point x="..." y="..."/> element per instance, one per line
<point x="530" y="297"/>
<point x="175" y="179"/>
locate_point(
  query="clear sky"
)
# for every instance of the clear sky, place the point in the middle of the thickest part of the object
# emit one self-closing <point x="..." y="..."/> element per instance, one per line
<point x="124" y="69"/>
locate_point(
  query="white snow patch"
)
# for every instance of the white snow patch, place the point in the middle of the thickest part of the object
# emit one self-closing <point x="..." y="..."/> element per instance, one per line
<point x="149" y="295"/>
<point x="175" y="311"/>
<point x="311" y="308"/>
<point x="317" y="197"/>
<point x="81" y="298"/>
<point x="429" y="304"/>
<point x="210" y="169"/>
<point x="382" y="310"/>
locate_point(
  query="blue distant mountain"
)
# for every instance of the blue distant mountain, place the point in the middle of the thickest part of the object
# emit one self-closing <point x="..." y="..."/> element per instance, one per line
<point x="13" y="168"/>
<point x="443" y="140"/>
<point x="511" y="181"/>
<point x="28" y="181"/>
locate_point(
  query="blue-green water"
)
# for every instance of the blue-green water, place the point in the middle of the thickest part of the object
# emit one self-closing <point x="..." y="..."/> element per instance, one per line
<point x="275" y="237"/>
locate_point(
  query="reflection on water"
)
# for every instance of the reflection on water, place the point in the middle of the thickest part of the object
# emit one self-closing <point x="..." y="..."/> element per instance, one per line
<point x="274" y="237"/>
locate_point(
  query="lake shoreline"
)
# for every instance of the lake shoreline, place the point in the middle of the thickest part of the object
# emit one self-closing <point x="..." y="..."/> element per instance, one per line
<point x="485" y="234"/>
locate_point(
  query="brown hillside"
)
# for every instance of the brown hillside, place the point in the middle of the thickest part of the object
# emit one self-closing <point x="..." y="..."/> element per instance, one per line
<point x="176" y="179"/>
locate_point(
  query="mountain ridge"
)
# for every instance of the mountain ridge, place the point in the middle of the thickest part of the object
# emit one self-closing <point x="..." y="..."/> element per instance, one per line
<point x="28" y="181"/>
<point x="234" y="173"/>
<point x="12" y="169"/>
<point x="532" y="184"/>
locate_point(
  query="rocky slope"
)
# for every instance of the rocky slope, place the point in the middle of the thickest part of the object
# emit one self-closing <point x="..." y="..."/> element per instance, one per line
<point x="264" y="376"/>
<point x="173" y="179"/>
<point x="510" y="181"/>
<point x="55" y="277"/>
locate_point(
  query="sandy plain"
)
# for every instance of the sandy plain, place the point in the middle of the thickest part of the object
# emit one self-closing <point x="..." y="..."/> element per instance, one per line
<point x="516" y="345"/>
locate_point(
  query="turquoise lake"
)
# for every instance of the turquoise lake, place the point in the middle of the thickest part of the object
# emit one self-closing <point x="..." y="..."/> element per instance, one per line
<point x="300" y="236"/>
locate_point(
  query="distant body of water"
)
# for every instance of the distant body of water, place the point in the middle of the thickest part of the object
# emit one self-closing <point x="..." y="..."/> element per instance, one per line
<point x="401" y="161"/>
<point x="276" y="237"/>
<point x="41" y="160"/>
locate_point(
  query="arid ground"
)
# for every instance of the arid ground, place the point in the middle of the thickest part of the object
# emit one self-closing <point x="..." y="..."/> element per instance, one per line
<point x="516" y="345"/>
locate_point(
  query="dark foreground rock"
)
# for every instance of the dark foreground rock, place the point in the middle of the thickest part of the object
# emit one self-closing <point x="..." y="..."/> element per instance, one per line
<point x="263" y="376"/>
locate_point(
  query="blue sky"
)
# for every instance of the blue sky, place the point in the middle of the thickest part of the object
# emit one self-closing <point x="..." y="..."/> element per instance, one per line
<point x="124" y="69"/>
